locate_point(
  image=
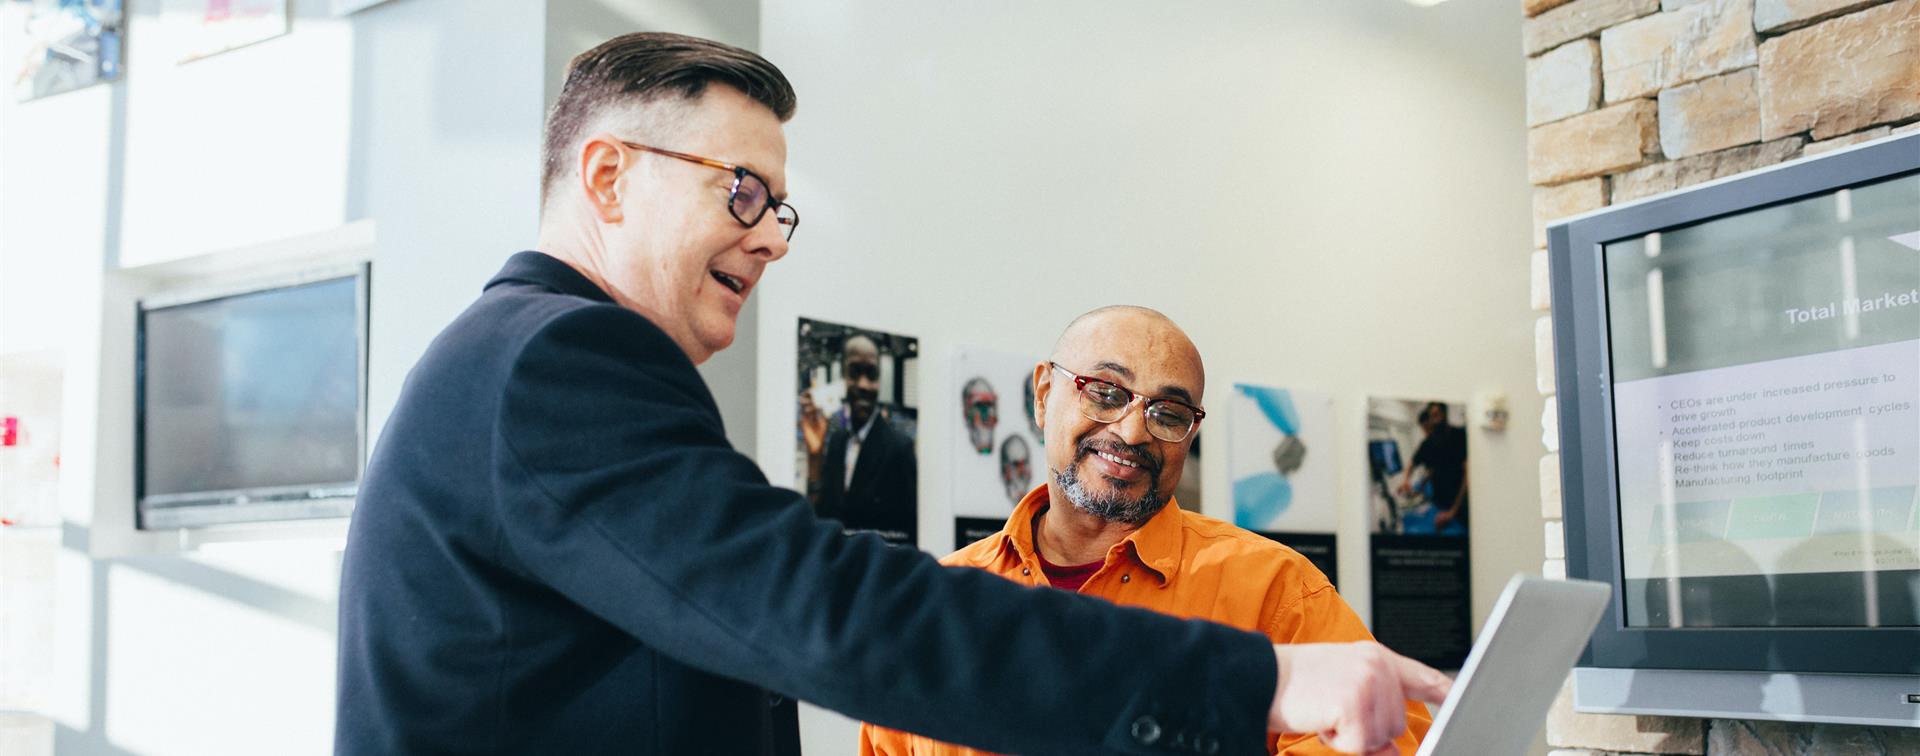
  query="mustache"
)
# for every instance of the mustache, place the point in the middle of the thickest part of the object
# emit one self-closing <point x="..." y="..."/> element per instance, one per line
<point x="1138" y="453"/>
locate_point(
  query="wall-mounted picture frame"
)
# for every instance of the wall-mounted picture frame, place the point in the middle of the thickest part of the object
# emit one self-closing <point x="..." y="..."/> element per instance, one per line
<point x="68" y="45"/>
<point x="345" y="7"/>
<point x="205" y="28"/>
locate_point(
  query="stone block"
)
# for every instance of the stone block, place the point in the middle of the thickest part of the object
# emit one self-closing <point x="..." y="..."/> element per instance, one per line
<point x="1710" y="114"/>
<point x="1537" y="7"/>
<point x="1741" y="736"/>
<point x="1541" y="287"/>
<point x="1550" y="506"/>
<point x="1604" y="141"/>
<point x="1848" y="140"/>
<point x="1673" y="174"/>
<point x="1615" y="732"/>
<point x="1563" y="82"/>
<point x="1551" y="203"/>
<point x="1580" y="18"/>
<point x="1543" y="355"/>
<point x="1842" y="75"/>
<point x="1556" y="569"/>
<point x="1555" y="540"/>
<point x="1550" y="426"/>
<point x="1667" y="49"/>
<point x="1775" y="16"/>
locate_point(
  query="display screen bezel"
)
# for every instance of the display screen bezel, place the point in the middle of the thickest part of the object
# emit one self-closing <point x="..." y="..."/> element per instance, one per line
<point x="1588" y="455"/>
<point x="315" y="500"/>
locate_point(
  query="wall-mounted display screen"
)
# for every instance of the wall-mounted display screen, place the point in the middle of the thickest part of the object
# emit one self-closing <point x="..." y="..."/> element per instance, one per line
<point x="251" y="405"/>
<point x="1737" y="374"/>
<point x="1766" y="403"/>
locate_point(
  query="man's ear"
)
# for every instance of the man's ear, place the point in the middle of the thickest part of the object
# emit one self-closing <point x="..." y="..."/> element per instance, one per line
<point x="1042" y="382"/>
<point x="601" y="161"/>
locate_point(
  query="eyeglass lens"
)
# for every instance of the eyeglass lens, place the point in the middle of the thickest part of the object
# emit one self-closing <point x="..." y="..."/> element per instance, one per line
<point x="1105" y="403"/>
<point x="751" y="199"/>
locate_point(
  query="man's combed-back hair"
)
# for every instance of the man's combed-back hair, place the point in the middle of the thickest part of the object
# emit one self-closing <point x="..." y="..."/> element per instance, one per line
<point x="634" y="69"/>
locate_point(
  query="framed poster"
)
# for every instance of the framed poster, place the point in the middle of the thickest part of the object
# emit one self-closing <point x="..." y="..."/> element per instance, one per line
<point x="996" y="452"/>
<point x="344" y="7"/>
<point x="1279" y="457"/>
<point x="1417" y="497"/>
<point x="68" y="45"/>
<point x="856" y="424"/>
<point x="204" y="28"/>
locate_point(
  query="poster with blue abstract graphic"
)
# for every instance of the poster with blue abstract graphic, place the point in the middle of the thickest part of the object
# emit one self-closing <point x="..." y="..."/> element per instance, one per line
<point x="1281" y="459"/>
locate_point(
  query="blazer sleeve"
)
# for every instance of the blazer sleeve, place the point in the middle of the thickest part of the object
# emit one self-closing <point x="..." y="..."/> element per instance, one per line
<point x="617" y="488"/>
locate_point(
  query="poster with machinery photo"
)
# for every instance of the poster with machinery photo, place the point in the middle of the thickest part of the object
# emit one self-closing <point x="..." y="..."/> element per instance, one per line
<point x="1418" y="495"/>
<point x="996" y="452"/>
<point x="1280" y="460"/>
<point x="856" y="423"/>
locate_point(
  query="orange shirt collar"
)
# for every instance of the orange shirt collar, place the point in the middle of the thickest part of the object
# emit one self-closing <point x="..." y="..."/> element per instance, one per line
<point x="1155" y="545"/>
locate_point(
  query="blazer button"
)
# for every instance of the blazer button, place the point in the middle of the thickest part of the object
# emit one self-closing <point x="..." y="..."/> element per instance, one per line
<point x="1146" y="730"/>
<point x="1209" y="745"/>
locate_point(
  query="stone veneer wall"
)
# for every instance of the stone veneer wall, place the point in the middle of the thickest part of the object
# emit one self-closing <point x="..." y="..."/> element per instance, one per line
<point x="1631" y="98"/>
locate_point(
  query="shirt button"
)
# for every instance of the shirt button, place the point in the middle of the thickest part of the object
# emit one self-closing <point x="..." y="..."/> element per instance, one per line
<point x="1026" y="571"/>
<point x="1146" y="730"/>
<point x="1126" y="578"/>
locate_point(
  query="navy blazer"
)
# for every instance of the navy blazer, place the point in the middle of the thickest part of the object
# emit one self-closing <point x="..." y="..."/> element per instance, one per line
<point x="884" y="493"/>
<point x="556" y="550"/>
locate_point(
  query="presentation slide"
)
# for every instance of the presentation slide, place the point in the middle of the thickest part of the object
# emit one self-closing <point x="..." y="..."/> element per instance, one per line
<point x="1765" y="386"/>
<point x="1806" y="464"/>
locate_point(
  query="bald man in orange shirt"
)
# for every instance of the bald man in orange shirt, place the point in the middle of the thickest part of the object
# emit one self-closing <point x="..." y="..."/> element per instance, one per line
<point x="1119" y="403"/>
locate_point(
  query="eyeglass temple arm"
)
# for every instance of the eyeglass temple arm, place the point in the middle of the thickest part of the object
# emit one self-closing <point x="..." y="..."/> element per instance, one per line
<point x="684" y="156"/>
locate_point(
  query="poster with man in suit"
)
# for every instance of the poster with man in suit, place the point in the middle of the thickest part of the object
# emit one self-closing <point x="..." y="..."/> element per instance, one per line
<point x="857" y="424"/>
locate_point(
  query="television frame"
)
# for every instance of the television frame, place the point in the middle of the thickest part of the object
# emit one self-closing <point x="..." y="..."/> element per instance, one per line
<point x="1867" y="676"/>
<point x="275" y="504"/>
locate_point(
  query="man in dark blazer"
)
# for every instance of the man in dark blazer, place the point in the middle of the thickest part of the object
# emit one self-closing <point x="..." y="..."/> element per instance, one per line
<point x="881" y="492"/>
<point x="556" y="550"/>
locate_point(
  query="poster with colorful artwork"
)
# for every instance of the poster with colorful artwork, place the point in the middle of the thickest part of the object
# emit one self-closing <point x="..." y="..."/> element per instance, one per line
<point x="996" y="453"/>
<point x="67" y="44"/>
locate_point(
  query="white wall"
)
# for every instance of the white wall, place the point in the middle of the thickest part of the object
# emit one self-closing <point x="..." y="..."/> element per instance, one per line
<point x="1284" y="179"/>
<point x="423" y="115"/>
<point x="1325" y="195"/>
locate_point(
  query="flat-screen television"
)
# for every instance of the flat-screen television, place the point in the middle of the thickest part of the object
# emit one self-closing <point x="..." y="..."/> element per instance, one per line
<point x="251" y="402"/>
<point x="1739" y="402"/>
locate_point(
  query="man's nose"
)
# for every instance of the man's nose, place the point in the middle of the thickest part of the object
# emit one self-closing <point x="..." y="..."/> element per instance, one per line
<point x="1132" y="426"/>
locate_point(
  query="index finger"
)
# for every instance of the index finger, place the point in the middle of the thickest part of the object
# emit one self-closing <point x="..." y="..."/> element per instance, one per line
<point x="1421" y="682"/>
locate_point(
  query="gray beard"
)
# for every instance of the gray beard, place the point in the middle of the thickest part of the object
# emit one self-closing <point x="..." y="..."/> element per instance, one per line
<point x="1112" y="508"/>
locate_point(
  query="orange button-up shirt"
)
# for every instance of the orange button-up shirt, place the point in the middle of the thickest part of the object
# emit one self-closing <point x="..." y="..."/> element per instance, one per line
<point x="1190" y="566"/>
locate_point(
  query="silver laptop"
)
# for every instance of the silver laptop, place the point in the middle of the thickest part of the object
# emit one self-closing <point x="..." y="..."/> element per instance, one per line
<point x="1530" y="642"/>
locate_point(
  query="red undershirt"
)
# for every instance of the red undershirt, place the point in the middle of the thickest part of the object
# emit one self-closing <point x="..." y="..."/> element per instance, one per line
<point x="1068" y="578"/>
